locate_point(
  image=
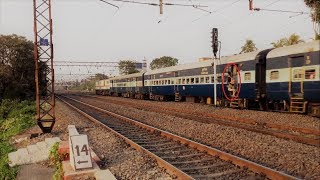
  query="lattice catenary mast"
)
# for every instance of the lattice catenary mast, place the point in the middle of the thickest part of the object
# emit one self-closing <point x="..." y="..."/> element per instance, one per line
<point x="43" y="58"/>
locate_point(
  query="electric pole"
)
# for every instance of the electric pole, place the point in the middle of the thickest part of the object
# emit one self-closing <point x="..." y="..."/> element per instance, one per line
<point x="161" y="6"/>
<point x="43" y="58"/>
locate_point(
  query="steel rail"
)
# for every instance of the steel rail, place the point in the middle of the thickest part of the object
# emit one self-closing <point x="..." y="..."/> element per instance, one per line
<point x="219" y="120"/>
<point x="170" y="168"/>
<point x="242" y="120"/>
<point x="270" y="173"/>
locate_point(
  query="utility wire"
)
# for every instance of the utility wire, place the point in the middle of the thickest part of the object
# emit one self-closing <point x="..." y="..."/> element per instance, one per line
<point x="218" y="10"/>
<point x="272" y="3"/>
<point x="110" y="4"/>
<point x="156" y="4"/>
<point x="282" y="11"/>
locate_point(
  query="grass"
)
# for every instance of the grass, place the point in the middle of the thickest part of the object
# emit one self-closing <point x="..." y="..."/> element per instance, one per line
<point x="15" y="116"/>
<point x="56" y="160"/>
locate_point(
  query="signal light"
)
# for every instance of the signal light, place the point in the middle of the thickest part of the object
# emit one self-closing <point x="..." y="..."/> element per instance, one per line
<point x="215" y="41"/>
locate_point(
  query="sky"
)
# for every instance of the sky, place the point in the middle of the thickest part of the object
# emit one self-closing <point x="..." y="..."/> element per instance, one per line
<point x="90" y="30"/>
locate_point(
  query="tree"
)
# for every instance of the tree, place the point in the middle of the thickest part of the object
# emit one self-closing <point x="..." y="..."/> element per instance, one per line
<point x="315" y="6"/>
<point x="164" y="61"/>
<point x="249" y="46"/>
<point x="293" y="39"/>
<point x="16" y="67"/>
<point x="100" y="76"/>
<point x="127" y="67"/>
<point x="315" y="15"/>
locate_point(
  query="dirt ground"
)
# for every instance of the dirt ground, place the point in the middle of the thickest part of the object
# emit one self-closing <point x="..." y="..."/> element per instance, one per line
<point x="122" y="160"/>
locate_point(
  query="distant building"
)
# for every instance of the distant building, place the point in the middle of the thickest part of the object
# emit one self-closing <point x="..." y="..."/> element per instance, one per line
<point x="205" y="59"/>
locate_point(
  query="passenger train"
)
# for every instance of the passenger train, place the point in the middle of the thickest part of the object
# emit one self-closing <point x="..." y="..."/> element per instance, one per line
<point x="281" y="79"/>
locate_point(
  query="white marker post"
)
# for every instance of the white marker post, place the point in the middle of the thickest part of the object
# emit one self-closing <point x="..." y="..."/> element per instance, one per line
<point x="81" y="152"/>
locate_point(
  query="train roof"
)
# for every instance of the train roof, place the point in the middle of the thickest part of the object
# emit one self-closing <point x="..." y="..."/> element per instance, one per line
<point x="128" y="76"/>
<point x="224" y="60"/>
<point x="240" y="57"/>
<point x="180" y="67"/>
<point x="295" y="49"/>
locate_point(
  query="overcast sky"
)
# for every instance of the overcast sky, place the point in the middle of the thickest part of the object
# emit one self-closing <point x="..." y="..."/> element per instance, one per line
<point x="90" y="30"/>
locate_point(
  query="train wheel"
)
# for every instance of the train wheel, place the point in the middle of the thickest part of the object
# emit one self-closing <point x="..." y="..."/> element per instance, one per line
<point x="241" y="104"/>
<point x="161" y="98"/>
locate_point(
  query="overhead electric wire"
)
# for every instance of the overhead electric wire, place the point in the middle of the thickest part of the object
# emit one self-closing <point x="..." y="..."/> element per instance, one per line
<point x="283" y="11"/>
<point x="109" y="4"/>
<point x="272" y="3"/>
<point x="156" y="4"/>
<point x="218" y="10"/>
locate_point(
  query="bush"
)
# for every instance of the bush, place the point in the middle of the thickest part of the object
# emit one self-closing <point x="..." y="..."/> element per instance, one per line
<point x="56" y="160"/>
<point x="15" y="117"/>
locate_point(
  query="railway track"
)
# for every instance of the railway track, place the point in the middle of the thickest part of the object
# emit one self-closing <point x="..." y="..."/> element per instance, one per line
<point x="181" y="157"/>
<point x="301" y="135"/>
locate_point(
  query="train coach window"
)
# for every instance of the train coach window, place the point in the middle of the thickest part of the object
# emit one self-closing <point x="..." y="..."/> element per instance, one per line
<point x="219" y="78"/>
<point x="197" y="80"/>
<point x="274" y="75"/>
<point x="188" y="81"/>
<point x="297" y="74"/>
<point x="310" y="74"/>
<point x="192" y="80"/>
<point x="247" y="76"/>
<point x="202" y="80"/>
<point x="207" y="79"/>
<point x="183" y="81"/>
<point x="212" y="79"/>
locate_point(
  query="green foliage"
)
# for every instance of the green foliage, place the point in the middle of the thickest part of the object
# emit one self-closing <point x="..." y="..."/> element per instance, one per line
<point x="127" y="67"/>
<point x="84" y="85"/>
<point x="164" y="61"/>
<point x="315" y="6"/>
<point x="56" y="160"/>
<point x="293" y="39"/>
<point x="249" y="46"/>
<point x="16" y="67"/>
<point x="100" y="76"/>
<point x="15" y="117"/>
<point x="6" y="172"/>
<point x="89" y="83"/>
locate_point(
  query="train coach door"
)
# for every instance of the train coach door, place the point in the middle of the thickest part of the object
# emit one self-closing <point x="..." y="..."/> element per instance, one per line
<point x="177" y="96"/>
<point x="296" y="75"/>
<point x="175" y="85"/>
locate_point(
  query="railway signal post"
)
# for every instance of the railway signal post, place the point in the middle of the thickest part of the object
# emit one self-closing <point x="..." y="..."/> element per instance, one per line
<point x="215" y="43"/>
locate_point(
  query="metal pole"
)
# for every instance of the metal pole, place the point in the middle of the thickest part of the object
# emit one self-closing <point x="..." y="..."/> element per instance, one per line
<point x="215" y="80"/>
<point x="35" y="54"/>
<point x="43" y="58"/>
<point x="161" y="6"/>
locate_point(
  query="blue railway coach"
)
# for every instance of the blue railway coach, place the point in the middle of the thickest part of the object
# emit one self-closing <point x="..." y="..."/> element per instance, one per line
<point x="292" y="77"/>
<point x="286" y="79"/>
<point x="131" y="85"/>
<point x="197" y="80"/>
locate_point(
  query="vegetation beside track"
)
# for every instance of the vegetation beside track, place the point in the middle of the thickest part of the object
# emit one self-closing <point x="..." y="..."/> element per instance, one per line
<point x="56" y="160"/>
<point x="15" y="117"/>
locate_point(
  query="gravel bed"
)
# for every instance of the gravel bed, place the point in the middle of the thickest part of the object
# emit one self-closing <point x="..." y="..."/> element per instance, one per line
<point x="122" y="160"/>
<point x="297" y="120"/>
<point x="294" y="158"/>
